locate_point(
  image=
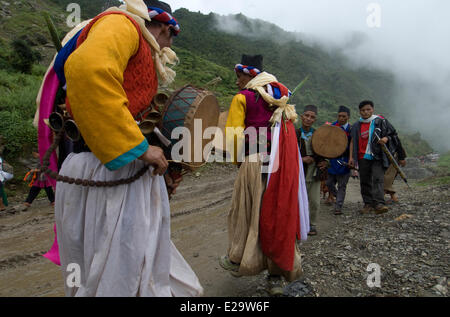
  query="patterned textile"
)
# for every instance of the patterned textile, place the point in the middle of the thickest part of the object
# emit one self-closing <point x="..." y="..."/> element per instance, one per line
<point x="278" y="90"/>
<point x="249" y="70"/>
<point x="160" y="15"/>
<point x="307" y="135"/>
<point x="369" y="154"/>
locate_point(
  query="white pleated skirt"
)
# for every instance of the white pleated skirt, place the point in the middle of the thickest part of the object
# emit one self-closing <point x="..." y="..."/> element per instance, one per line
<point x="118" y="237"/>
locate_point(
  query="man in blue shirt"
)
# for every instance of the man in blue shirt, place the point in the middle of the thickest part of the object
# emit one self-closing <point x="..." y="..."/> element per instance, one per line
<point x="338" y="172"/>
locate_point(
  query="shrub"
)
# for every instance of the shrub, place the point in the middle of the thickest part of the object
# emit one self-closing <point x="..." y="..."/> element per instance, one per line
<point x="23" y="56"/>
<point x="19" y="134"/>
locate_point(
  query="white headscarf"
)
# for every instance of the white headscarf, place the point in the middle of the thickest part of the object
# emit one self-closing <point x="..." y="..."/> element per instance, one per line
<point x="259" y="83"/>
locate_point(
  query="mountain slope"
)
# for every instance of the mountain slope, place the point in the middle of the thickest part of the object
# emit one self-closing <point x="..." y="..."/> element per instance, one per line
<point x="206" y="52"/>
<point x="331" y="82"/>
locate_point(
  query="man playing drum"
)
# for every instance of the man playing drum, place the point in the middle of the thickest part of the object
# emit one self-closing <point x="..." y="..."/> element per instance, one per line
<point x="269" y="205"/>
<point x="314" y="165"/>
<point x="338" y="172"/>
<point x="118" y="238"/>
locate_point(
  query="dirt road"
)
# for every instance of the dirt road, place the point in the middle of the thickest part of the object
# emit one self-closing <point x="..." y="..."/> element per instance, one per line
<point x="199" y="230"/>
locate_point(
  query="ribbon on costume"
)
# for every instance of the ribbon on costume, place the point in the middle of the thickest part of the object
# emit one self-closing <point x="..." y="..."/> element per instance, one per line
<point x="160" y="15"/>
<point x="369" y="154"/>
<point x="31" y="176"/>
<point x="249" y="70"/>
<point x="284" y="110"/>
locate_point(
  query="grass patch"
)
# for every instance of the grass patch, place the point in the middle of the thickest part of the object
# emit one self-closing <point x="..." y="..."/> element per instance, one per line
<point x="444" y="161"/>
<point x="17" y="108"/>
<point x="442" y="172"/>
<point x="445" y="180"/>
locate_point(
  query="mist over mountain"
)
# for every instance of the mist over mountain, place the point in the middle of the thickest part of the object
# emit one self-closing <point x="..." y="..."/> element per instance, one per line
<point x="408" y="86"/>
<point x="223" y="39"/>
<point x="209" y="46"/>
<point x="421" y="98"/>
<point x="410" y="40"/>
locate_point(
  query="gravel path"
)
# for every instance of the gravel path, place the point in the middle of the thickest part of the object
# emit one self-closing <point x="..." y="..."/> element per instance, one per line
<point x="409" y="244"/>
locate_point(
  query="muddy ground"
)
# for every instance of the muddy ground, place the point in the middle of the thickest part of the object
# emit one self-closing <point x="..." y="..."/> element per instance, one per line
<point x="412" y="252"/>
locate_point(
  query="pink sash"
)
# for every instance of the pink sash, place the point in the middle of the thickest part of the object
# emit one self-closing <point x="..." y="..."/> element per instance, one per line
<point x="45" y="139"/>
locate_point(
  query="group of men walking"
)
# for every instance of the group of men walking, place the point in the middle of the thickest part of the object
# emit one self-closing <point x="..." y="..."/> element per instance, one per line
<point x="369" y="134"/>
<point x="363" y="157"/>
<point x="248" y="215"/>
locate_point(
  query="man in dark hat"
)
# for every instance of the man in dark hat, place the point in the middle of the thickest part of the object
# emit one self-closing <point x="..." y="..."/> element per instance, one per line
<point x="262" y="237"/>
<point x="339" y="172"/>
<point x="314" y="165"/>
<point x="119" y="237"/>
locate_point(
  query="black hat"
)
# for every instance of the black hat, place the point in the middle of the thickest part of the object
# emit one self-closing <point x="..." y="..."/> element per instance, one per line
<point x="253" y="61"/>
<point x="311" y="108"/>
<point x="365" y="103"/>
<point x="344" y="109"/>
<point x="158" y="4"/>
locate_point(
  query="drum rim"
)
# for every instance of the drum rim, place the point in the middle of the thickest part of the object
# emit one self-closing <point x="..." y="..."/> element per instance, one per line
<point x="343" y="134"/>
<point x="170" y="100"/>
<point x="188" y="121"/>
<point x="192" y="110"/>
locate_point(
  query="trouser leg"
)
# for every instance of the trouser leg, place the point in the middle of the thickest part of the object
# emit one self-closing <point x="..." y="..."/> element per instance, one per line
<point x="331" y="184"/>
<point x="313" y="189"/>
<point x="34" y="191"/>
<point x="3" y="198"/>
<point x="50" y="194"/>
<point x="378" y="182"/>
<point x="365" y="179"/>
<point x="342" y="181"/>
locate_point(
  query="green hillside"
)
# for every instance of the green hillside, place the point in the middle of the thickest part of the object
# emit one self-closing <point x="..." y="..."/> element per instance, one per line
<point x="205" y="53"/>
<point x="331" y="81"/>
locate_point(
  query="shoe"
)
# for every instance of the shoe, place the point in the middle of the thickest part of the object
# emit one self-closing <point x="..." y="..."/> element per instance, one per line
<point x="394" y="198"/>
<point x="226" y="264"/>
<point x="337" y="212"/>
<point x="391" y="202"/>
<point x="366" y="210"/>
<point x="23" y="207"/>
<point x="312" y="231"/>
<point x="381" y="209"/>
<point x="275" y="285"/>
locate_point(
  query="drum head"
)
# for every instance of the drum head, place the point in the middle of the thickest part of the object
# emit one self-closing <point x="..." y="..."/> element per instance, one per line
<point x="329" y="141"/>
<point x="176" y="108"/>
<point x="205" y="108"/>
<point x="196" y="110"/>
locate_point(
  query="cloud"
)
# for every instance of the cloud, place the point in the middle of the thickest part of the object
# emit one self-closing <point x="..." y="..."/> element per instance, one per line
<point x="412" y="42"/>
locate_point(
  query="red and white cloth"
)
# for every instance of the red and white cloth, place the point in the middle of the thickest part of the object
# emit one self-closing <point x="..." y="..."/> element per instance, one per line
<point x="285" y="211"/>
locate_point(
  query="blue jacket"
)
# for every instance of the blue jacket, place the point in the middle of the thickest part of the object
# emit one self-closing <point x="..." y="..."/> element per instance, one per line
<point x="335" y="167"/>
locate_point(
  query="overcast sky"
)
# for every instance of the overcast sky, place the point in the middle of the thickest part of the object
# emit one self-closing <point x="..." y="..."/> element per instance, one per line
<point x="408" y="37"/>
<point x="420" y="26"/>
